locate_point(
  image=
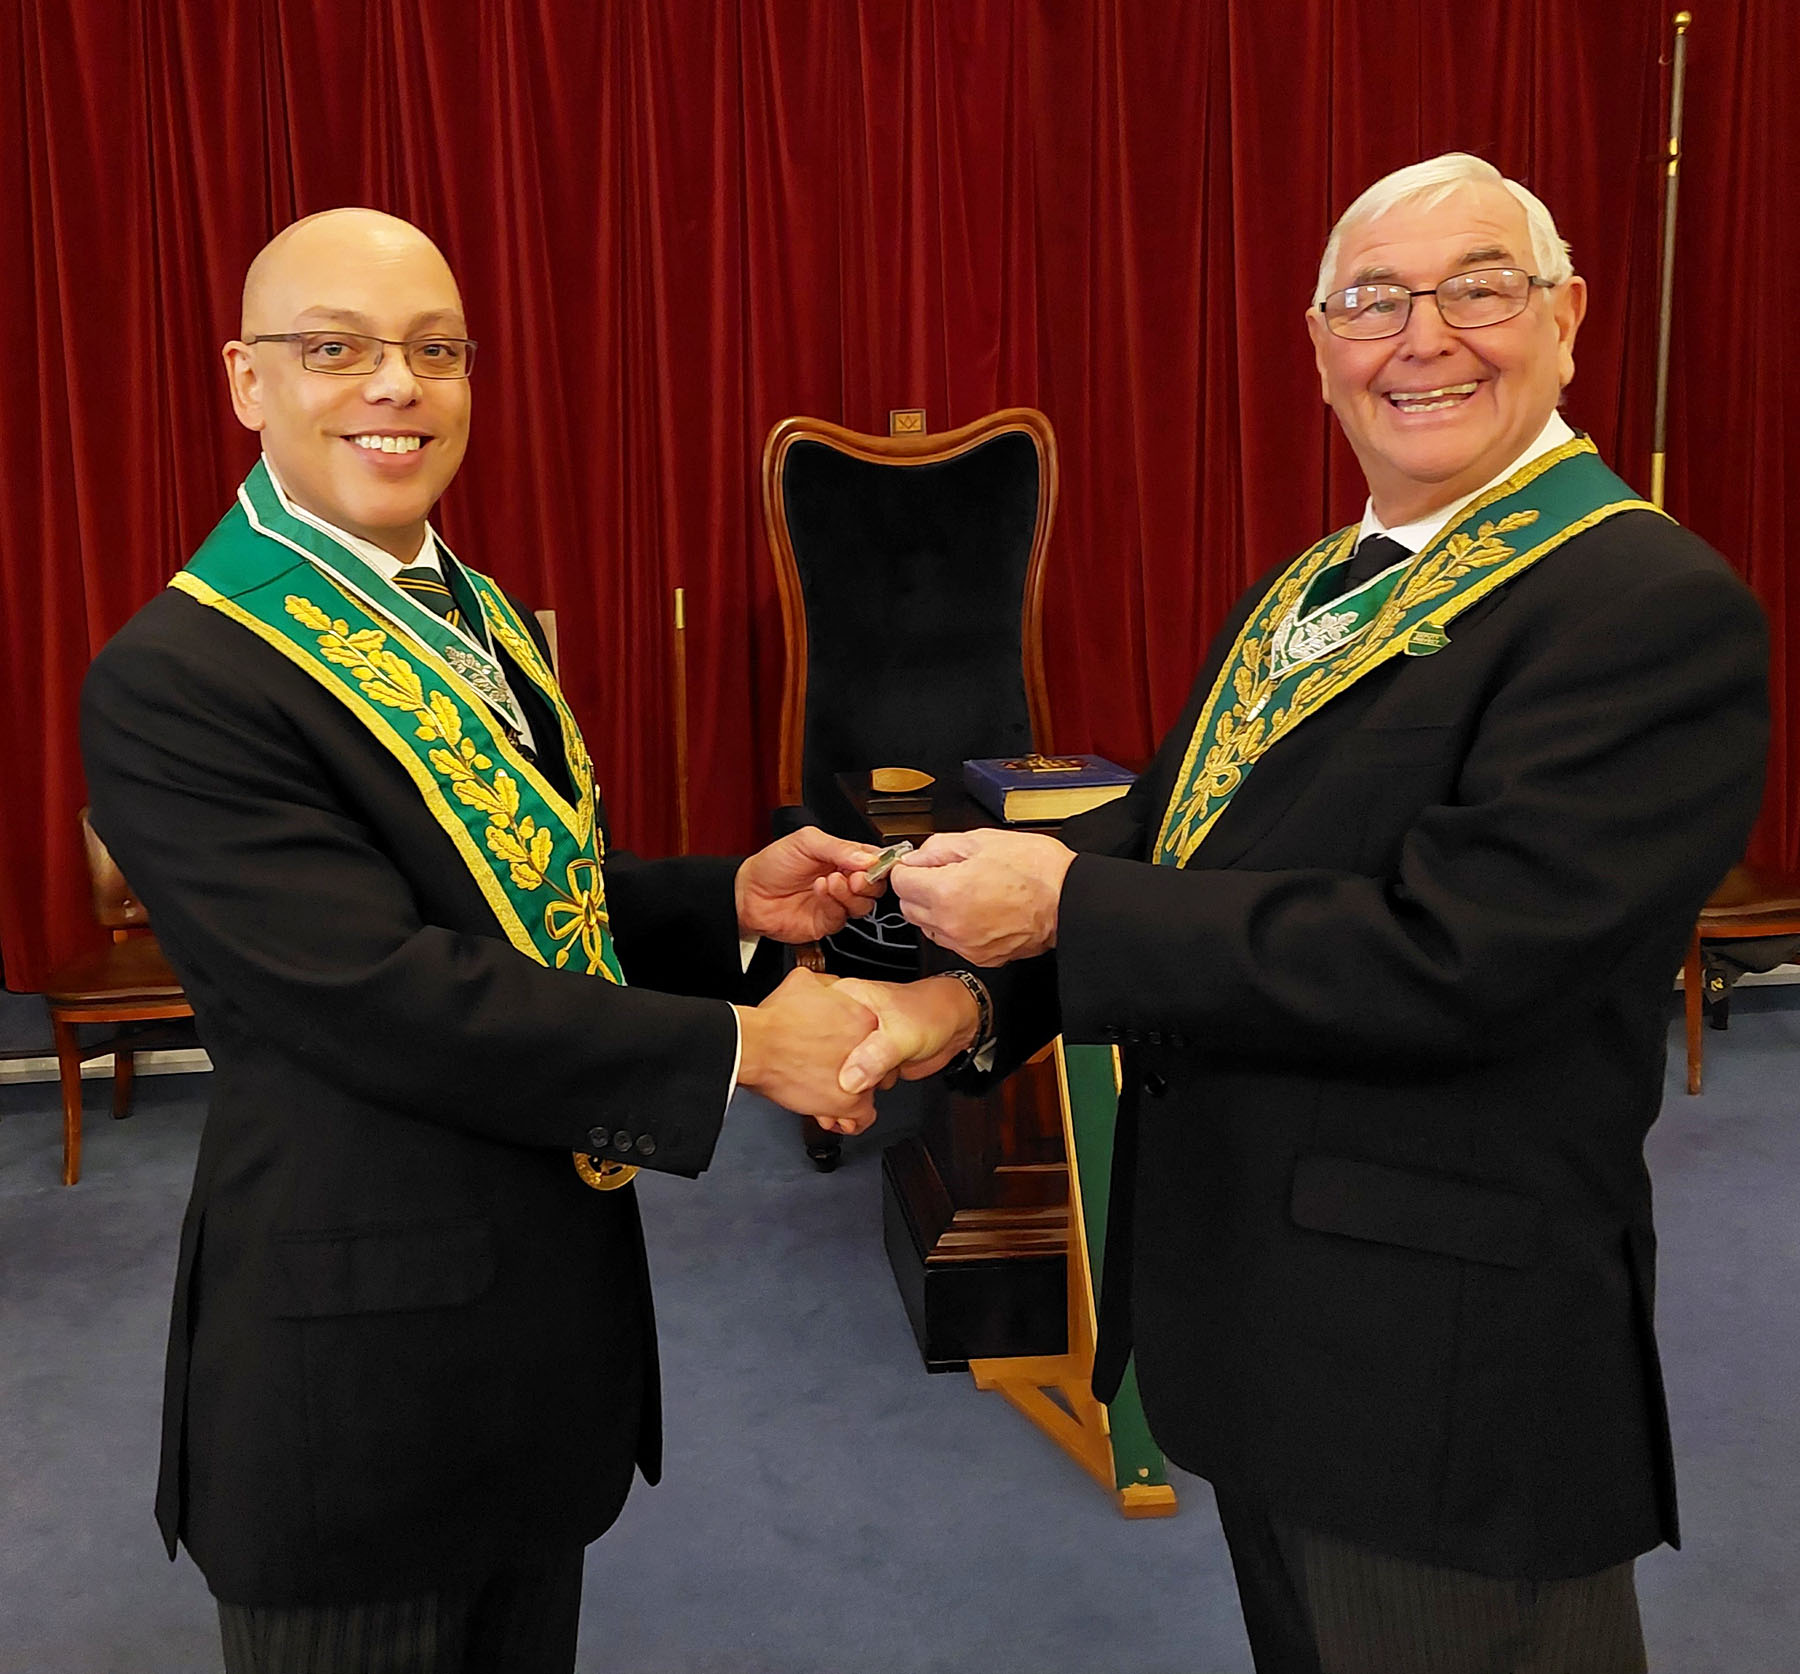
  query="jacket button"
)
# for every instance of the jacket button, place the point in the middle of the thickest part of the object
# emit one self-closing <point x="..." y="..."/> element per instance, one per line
<point x="598" y="1139"/>
<point x="646" y="1146"/>
<point x="622" y="1140"/>
<point x="1154" y="1084"/>
<point x="1155" y="1037"/>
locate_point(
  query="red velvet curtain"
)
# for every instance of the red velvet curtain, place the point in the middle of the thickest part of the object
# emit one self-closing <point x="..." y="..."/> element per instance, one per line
<point x="678" y="221"/>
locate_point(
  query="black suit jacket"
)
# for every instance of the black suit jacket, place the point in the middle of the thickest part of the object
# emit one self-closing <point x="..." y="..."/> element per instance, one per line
<point x="407" y="1341"/>
<point x="1381" y="1233"/>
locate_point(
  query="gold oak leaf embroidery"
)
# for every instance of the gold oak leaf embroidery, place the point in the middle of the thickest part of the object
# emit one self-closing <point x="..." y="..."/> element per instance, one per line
<point x="1460" y="554"/>
<point x="526" y="847"/>
<point x="382" y="677"/>
<point x="522" y="649"/>
<point x="442" y="722"/>
<point x="524" y="652"/>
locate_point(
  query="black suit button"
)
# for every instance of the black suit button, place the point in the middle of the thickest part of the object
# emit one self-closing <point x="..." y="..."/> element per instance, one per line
<point x="621" y="1140"/>
<point x="646" y="1146"/>
<point x="599" y="1138"/>
<point x="1154" y="1037"/>
<point x="1154" y="1084"/>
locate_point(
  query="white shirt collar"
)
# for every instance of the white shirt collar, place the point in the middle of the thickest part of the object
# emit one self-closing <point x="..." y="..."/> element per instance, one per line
<point x="387" y="566"/>
<point x="1415" y="535"/>
<point x="384" y="564"/>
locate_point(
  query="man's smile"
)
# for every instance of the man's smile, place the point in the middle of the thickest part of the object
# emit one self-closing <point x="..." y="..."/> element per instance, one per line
<point x="387" y="441"/>
<point x="1430" y="400"/>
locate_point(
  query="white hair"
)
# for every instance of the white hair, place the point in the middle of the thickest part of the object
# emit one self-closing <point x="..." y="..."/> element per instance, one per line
<point x="1428" y="184"/>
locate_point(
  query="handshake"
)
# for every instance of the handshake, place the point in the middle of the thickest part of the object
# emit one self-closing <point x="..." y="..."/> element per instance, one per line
<point x="821" y="1046"/>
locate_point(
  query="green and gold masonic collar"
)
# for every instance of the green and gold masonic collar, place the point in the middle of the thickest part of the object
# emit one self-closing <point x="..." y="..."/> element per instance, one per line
<point x="412" y="680"/>
<point x="1301" y="647"/>
<point x="468" y="648"/>
<point x="438" y="702"/>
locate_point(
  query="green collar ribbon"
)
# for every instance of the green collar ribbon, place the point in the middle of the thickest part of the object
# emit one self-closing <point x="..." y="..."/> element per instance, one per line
<point x="535" y="856"/>
<point x="1300" y="647"/>
<point x="437" y="701"/>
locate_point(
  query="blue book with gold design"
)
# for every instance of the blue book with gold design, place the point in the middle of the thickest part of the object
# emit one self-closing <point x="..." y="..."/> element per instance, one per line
<point x="1041" y="790"/>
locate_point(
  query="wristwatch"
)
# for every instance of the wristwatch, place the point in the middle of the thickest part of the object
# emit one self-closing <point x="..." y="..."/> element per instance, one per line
<point x="984" y="1020"/>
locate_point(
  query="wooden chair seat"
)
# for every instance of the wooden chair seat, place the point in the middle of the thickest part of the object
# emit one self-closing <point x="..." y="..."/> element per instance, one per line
<point x="121" y="973"/>
<point x="128" y="981"/>
<point x="1751" y="901"/>
<point x="1749" y="896"/>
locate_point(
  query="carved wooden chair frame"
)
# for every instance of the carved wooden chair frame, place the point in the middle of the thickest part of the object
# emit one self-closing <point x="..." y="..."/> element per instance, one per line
<point x="905" y="449"/>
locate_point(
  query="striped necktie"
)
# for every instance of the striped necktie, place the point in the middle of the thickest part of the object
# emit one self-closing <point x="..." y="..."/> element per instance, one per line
<point x="426" y="584"/>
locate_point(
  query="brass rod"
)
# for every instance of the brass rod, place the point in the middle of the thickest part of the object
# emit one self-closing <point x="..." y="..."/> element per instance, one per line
<point x="1666" y="302"/>
<point x="681" y="719"/>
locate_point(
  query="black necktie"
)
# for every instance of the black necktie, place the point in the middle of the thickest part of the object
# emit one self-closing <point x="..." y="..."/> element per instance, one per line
<point x="1374" y="553"/>
<point x="426" y="585"/>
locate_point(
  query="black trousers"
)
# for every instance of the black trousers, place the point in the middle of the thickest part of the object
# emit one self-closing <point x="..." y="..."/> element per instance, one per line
<point x="519" y="1620"/>
<point x="1315" y="1604"/>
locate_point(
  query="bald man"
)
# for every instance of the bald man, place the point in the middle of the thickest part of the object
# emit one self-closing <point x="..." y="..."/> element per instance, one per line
<point x="412" y="1360"/>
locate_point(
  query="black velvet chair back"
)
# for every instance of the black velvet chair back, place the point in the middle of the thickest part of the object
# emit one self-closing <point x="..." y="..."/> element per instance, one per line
<point x="911" y="574"/>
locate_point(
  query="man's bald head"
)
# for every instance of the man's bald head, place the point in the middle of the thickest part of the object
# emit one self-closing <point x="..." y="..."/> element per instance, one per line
<point x="301" y="256"/>
<point x="371" y="449"/>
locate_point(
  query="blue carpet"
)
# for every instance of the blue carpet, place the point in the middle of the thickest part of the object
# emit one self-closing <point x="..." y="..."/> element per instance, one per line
<point x="829" y="1508"/>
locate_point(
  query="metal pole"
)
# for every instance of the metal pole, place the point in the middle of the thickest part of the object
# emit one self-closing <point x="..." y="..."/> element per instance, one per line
<point x="681" y="718"/>
<point x="1666" y="308"/>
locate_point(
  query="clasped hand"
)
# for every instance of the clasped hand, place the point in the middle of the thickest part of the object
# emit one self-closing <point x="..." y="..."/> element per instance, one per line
<point x="821" y="1046"/>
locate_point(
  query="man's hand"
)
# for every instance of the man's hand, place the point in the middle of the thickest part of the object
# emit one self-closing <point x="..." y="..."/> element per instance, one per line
<point x="803" y="886"/>
<point x="793" y="1045"/>
<point x="990" y="896"/>
<point x="923" y="1026"/>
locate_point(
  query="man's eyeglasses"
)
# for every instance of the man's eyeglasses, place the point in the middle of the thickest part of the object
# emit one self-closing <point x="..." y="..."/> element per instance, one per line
<point x="1465" y="301"/>
<point x="349" y="354"/>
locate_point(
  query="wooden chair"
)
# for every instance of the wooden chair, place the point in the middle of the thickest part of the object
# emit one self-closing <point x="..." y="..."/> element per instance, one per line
<point x="910" y="569"/>
<point x="128" y="981"/>
<point x="1752" y="901"/>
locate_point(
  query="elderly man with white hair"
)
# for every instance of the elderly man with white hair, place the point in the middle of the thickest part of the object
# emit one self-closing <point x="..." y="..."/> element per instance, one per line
<point x="1385" y="934"/>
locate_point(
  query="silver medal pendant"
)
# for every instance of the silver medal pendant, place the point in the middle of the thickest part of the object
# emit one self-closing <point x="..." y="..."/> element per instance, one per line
<point x="480" y="674"/>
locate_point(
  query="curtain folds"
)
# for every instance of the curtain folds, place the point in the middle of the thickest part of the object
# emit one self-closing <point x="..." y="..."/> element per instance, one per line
<point x="679" y="221"/>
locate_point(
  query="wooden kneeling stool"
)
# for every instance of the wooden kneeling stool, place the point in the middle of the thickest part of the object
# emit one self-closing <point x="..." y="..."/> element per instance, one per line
<point x="1752" y="901"/>
<point x="128" y="981"/>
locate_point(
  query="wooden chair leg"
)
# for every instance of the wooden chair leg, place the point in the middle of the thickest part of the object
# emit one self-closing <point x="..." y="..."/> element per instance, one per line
<point x="68" y="1070"/>
<point x="124" y="1075"/>
<point x="1692" y="994"/>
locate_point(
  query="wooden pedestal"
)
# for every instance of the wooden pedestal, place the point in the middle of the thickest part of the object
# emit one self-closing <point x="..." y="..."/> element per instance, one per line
<point x="975" y="1217"/>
